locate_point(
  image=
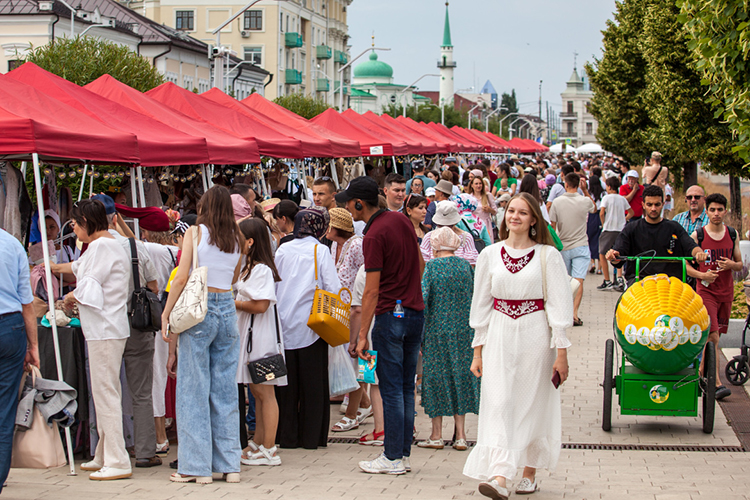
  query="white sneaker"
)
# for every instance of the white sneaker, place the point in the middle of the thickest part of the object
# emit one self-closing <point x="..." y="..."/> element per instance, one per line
<point x="110" y="473"/>
<point x="407" y="464"/>
<point x="267" y="457"/>
<point x="382" y="465"/>
<point x="492" y="489"/>
<point x="526" y="486"/>
<point x="91" y="466"/>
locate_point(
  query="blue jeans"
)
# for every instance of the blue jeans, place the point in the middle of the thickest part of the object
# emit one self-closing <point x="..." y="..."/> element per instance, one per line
<point x="397" y="341"/>
<point x="206" y="402"/>
<point x="12" y="355"/>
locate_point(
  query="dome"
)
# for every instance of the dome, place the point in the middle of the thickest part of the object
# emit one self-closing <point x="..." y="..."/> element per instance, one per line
<point x="373" y="68"/>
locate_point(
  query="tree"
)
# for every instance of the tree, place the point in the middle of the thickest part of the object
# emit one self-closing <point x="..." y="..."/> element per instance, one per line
<point x="428" y="113"/>
<point x="719" y="38"/>
<point x="306" y="107"/>
<point x="83" y="59"/>
<point x="509" y="102"/>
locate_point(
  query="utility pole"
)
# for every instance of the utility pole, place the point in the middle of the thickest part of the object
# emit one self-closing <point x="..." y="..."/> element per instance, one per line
<point x="540" y="100"/>
<point x="548" y="134"/>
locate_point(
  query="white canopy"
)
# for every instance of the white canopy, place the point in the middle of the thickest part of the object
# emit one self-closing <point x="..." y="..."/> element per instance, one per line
<point x="557" y="148"/>
<point x="591" y="147"/>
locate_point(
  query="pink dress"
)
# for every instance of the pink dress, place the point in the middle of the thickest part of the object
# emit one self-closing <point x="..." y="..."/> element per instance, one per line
<point x="486" y="217"/>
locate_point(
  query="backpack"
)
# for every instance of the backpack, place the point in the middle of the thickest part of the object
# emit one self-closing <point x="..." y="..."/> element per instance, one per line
<point x="701" y="234"/>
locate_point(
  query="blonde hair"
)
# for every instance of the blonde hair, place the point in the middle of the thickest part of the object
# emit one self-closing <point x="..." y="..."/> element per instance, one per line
<point x="542" y="235"/>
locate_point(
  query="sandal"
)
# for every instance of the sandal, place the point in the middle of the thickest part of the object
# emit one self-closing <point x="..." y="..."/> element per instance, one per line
<point x="345" y="424"/>
<point x="460" y="445"/>
<point x="176" y="477"/>
<point x="577" y="322"/>
<point x="435" y="444"/>
<point x="363" y="413"/>
<point x="372" y="439"/>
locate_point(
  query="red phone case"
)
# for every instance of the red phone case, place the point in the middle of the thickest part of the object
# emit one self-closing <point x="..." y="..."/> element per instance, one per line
<point x="556" y="379"/>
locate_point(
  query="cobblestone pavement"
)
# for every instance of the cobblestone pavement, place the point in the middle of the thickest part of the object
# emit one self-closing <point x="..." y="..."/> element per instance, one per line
<point x="581" y="474"/>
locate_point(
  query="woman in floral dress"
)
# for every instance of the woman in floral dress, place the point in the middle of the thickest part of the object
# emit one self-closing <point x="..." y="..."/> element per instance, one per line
<point x="515" y="353"/>
<point x="449" y="388"/>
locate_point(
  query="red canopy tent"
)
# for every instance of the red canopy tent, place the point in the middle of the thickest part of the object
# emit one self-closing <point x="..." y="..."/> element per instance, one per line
<point x="468" y="146"/>
<point x="342" y="146"/>
<point x="448" y="145"/>
<point x="270" y="143"/>
<point x="509" y="147"/>
<point x="488" y="146"/>
<point x="32" y="122"/>
<point x="524" y="146"/>
<point x="311" y="144"/>
<point x="481" y="136"/>
<point x="440" y="146"/>
<point x="370" y="145"/>
<point x="222" y="147"/>
<point x="412" y="146"/>
<point x="158" y="143"/>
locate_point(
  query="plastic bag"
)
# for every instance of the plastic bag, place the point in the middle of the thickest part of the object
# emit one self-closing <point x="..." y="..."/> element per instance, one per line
<point x="342" y="378"/>
<point x="366" y="371"/>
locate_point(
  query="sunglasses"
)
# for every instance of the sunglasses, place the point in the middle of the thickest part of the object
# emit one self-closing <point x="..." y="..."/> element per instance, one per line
<point x="694" y="197"/>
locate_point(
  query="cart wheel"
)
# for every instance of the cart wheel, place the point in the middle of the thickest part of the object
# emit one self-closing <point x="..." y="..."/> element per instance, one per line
<point x="709" y="393"/>
<point x="609" y="358"/>
<point x="737" y="371"/>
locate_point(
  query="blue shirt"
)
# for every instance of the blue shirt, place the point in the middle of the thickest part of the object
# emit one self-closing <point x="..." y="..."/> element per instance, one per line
<point x="15" y="280"/>
<point x="683" y="219"/>
<point x="426" y="182"/>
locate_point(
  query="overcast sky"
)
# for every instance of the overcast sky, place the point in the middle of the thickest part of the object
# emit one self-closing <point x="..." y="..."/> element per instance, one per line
<point x="512" y="43"/>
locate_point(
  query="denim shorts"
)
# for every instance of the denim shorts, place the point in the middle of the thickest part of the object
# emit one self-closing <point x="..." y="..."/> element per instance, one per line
<point x="577" y="261"/>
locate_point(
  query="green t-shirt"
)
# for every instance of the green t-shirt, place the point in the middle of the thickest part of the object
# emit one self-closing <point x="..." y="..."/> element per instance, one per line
<point x="511" y="181"/>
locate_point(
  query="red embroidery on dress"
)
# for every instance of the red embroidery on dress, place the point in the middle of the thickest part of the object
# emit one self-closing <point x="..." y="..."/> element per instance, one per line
<point x="517" y="308"/>
<point x="515" y="265"/>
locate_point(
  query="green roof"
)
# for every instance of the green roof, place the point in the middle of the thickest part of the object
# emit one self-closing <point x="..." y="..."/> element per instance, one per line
<point x="447" y="29"/>
<point x="373" y="68"/>
<point x="361" y="93"/>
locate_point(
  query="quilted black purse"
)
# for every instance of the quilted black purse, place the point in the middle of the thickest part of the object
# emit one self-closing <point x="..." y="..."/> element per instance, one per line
<point x="145" y="307"/>
<point x="270" y="368"/>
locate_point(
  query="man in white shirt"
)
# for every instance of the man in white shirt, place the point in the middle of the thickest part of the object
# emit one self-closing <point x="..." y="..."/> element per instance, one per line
<point x="569" y="217"/>
<point x="615" y="212"/>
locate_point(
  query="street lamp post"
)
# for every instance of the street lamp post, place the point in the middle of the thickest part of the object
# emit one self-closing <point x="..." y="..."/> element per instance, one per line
<point x="95" y="26"/>
<point x="341" y="73"/>
<point x="487" y="118"/>
<point x="512" y="123"/>
<point x="471" y="111"/>
<point x="500" y="132"/>
<point x="401" y="92"/>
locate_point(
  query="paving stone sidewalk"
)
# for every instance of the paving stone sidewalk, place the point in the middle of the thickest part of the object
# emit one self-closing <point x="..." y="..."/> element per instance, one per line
<point x="581" y="474"/>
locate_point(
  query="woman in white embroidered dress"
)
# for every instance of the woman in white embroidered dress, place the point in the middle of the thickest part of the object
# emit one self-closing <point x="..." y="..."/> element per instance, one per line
<point x="514" y="353"/>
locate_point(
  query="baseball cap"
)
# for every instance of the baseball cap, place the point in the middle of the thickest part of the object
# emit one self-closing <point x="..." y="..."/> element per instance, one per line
<point x="632" y="173"/>
<point x="429" y="191"/>
<point x="109" y="203"/>
<point x="363" y="188"/>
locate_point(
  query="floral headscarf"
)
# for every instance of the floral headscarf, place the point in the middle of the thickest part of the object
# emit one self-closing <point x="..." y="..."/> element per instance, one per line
<point x="467" y="204"/>
<point x="312" y="221"/>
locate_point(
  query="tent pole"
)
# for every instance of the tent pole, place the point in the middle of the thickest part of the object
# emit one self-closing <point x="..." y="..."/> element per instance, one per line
<point x="394" y="164"/>
<point x="140" y="186"/>
<point x="91" y="182"/>
<point x="203" y="177"/>
<point x="334" y="173"/>
<point x="134" y="195"/>
<point x="302" y="180"/>
<point x="23" y="169"/>
<point x="51" y="299"/>
<point x="83" y="180"/>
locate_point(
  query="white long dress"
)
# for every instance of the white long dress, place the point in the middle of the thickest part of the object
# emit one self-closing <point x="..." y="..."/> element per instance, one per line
<point x="519" y="411"/>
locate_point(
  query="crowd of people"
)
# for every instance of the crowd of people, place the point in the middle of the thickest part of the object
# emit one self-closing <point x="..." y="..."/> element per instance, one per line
<point x="459" y="274"/>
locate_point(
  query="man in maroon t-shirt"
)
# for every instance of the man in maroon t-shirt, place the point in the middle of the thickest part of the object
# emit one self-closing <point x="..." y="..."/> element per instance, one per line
<point x="633" y="192"/>
<point x="715" y="282"/>
<point x="394" y="267"/>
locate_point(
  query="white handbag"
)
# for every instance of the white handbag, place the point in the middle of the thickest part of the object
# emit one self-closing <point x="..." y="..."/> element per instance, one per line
<point x="191" y="305"/>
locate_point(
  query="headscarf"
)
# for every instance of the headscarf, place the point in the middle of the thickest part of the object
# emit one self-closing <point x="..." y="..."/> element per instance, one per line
<point x="53" y="215"/>
<point x="241" y="207"/>
<point x="312" y="221"/>
<point x="444" y="239"/>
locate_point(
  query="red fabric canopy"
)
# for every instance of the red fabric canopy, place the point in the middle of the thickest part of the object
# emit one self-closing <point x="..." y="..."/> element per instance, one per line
<point x="524" y="146"/>
<point x="342" y="147"/>
<point x="270" y="143"/>
<point x="222" y="147"/>
<point x="370" y="145"/>
<point x="481" y="136"/>
<point x="311" y="144"/>
<point x="432" y="146"/>
<point x="411" y="145"/>
<point x="32" y="122"/>
<point x="467" y="145"/>
<point x="509" y="147"/>
<point x="488" y="147"/>
<point x="158" y="144"/>
<point x="447" y="145"/>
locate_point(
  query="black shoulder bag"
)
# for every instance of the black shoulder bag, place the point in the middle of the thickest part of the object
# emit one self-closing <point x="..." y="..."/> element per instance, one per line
<point x="270" y="368"/>
<point x="145" y="308"/>
<point x="478" y="241"/>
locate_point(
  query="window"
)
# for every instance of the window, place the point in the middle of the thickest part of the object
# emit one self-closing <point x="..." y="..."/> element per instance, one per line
<point x="589" y="128"/>
<point x="187" y="82"/>
<point x="281" y="22"/>
<point x="14" y="63"/>
<point x="570" y="106"/>
<point x="287" y="23"/>
<point x="254" y="54"/>
<point x="253" y="20"/>
<point x="185" y="20"/>
<point x="570" y="128"/>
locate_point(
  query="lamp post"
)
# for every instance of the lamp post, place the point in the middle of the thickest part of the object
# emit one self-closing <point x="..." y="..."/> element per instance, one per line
<point x="487" y="118"/>
<point x="512" y="123"/>
<point x="500" y="132"/>
<point x="318" y="71"/>
<point x="471" y="111"/>
<point x="73" y="13"/>
<point x="95" y="26"/>
<point x="401" y="92"/>
<point x="341" y="73"/>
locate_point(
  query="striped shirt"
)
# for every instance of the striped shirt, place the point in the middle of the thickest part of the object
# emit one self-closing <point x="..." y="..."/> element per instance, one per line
<point x="690" y="225"/>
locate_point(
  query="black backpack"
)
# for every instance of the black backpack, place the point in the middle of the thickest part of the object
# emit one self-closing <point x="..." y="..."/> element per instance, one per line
<point x="701" y="234"/>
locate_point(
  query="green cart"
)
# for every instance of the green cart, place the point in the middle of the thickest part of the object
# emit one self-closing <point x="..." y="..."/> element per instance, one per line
<point x="658" y="368"/>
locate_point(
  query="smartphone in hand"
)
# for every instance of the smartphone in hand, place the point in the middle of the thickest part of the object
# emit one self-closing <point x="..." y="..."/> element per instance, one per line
<point x="556" y="379"/>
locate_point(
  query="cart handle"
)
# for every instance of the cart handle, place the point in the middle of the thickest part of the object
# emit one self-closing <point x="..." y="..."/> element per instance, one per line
<point x="637" y="259"/>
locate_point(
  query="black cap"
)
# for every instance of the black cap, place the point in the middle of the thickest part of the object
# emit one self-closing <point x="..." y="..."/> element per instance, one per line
<point x="363" y="188"/>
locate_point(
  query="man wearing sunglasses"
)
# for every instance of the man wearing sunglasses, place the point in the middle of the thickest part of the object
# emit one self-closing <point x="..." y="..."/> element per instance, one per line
<point x="696" y="216"/>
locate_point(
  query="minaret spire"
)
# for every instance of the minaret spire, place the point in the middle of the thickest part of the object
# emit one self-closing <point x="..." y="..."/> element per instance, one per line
<point x="446" y="64"/>
<point x="447" y="29"/>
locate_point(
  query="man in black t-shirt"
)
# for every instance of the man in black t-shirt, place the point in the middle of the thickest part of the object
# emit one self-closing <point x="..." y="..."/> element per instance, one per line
<point x="654" y="236"/>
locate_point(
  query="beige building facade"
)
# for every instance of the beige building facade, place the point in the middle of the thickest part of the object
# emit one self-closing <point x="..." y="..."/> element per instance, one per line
<point x="578" y="124"/>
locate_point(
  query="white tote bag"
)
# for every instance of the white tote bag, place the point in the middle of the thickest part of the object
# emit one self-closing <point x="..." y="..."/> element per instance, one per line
<point x="191" y="305"/>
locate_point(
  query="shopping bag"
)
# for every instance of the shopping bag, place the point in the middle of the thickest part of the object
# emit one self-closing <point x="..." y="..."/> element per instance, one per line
<point x="342" y="378"/>
<point x="39" y="447"/>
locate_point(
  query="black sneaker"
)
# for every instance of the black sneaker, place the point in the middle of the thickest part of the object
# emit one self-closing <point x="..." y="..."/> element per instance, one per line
<point x="619" y="285"/>
<point x="606" y="285"/>
<point x="722" y="392"/>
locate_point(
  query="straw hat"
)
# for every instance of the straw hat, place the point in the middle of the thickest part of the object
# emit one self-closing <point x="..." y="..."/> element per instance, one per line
<point x="341" y="219"/>
<point x="268" y="205"/>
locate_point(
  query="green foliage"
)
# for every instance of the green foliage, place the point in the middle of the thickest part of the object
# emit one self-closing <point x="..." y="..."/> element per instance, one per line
<point x="306" y="107"/>
<point x="509" y="101"/>
<point x="719" y="38"/>
<point x="429" y="113"/>
<point x="83" y="59"/>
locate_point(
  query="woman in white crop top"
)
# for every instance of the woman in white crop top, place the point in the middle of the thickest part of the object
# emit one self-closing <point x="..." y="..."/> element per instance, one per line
<point x="206" y="402"/>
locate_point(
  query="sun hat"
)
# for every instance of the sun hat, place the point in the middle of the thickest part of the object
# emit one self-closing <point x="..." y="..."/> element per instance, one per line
<point x="268" y="205"/>
<point x="341" y="219"/>
<point x="446" y="214"/>
<point x="505" y="197"/>
<point x="632" y="173"/>
<point x="444" y="187"/>
<point x="429" y="192"/>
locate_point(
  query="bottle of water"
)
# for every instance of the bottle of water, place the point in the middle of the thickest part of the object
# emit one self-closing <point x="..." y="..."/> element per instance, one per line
<point x="398" y="311"/>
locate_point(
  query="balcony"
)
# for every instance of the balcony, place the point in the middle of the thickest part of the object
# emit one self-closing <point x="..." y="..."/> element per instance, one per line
<point x="293" y="77"/>
<point x="323" y="52"/>
<point x="340" y="57"/>
<point x="569" y="116"/>
<point x="292" y="40"/>
<point x="446" y="64"/>
<point x="568" y="134"/>
<point x="322" y="84"/>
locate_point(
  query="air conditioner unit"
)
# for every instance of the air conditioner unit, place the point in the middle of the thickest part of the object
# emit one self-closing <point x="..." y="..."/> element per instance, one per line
<point x="245" y="34"/>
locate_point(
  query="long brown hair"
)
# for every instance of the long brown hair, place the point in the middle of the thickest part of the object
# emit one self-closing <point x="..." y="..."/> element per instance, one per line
<point x="483" y="199"/>
<point x="215" y="211"/>
<point x="260" y="252"/>
<point x="542" y="235"/>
